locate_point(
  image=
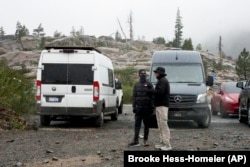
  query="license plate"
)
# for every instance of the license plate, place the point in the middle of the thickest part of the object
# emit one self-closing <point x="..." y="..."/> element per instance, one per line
<point x="53" y="99"/>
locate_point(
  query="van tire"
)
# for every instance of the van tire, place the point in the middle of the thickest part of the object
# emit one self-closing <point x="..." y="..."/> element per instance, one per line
<point x="205" y="121"/>
<point x="45" y="120"/>
<point x="241" y="119"/>
<point x="114" y="117"/>
<point x="120" y="108"/>
<point x="99" y="120"/>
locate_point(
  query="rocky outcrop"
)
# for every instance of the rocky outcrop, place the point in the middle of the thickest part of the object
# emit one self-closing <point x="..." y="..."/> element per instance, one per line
<point x="135" y="54"/>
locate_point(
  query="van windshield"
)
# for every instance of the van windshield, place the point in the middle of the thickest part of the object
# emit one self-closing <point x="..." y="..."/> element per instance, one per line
<point x="77" y="74"/>
<point x="180" y="73"/>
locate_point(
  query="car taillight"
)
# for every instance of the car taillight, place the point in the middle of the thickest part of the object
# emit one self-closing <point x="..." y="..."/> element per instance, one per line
<point x="96" y="91"/>
<point x="38" y="90"/>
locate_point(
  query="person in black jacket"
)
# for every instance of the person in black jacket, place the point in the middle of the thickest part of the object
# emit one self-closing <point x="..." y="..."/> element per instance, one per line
<point x="161" y="102"/>
<point x="142" y="107"/>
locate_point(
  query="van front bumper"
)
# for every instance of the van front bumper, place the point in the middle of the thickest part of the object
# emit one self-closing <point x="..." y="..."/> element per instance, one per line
<point x="194" y="112"/>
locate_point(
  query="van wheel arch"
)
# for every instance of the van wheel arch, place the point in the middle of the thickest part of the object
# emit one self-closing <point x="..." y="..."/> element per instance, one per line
<point x="100" y="119"/>
<point x="120" y="108"/>
<point x="205" y="121"/>
<point x="114" y="116"/>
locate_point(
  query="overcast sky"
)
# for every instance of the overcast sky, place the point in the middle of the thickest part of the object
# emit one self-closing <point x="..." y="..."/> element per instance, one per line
<point x="202" y="19"/>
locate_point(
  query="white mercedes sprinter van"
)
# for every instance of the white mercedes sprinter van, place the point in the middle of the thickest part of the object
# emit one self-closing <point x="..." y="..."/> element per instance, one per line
<point x="75" y="81"/>
<point x="188" y="91"/>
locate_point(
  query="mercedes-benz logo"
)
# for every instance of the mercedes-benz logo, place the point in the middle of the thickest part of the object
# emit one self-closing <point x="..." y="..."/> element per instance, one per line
<point x="53" y="88"/>
<point x="177" y="99"/>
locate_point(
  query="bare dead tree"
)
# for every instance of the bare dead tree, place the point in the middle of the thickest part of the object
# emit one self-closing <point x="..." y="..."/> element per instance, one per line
<point x="122" y="30"/>
<point x="130" y="21"/>
<point x="220" y="47"/>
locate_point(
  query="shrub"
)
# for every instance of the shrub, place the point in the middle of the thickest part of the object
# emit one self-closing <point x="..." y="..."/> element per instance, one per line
<point x="16" y="92"/>
<point x="126" y="76"/>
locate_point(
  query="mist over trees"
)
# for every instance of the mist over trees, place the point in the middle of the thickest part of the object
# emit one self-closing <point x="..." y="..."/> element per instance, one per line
<point x="233" y="42"/>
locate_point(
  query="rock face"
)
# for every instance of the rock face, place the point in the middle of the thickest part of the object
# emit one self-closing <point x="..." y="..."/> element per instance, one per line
<point x="136" y="54"/>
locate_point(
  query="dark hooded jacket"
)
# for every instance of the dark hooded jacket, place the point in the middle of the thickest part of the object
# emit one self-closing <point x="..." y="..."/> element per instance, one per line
<point x="141" y="97"/>
<point x="161" y="92"/>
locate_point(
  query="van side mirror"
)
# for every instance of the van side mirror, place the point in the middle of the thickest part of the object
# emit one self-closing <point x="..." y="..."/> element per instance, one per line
<point x="210" y="81"/>
<point x="118" y="85"/>
<point x="240" y="85"/>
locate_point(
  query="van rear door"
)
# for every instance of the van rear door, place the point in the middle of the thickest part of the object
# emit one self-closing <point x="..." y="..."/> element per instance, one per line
<point x="54" y="80"/>
<point x="80" y="80"/>
<point x="67" y="80"/>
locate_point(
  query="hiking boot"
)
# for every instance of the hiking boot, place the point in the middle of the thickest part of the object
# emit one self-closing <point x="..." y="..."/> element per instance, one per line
<point x="145" y="143"/>
<point x="141" y="136"/>
<point x="166" y="148"/>
<point x="134" y="144"/>
<point x="158" y="146"/>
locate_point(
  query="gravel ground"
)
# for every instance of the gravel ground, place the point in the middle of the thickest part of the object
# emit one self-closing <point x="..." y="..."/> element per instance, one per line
<point x="81" y="144"/>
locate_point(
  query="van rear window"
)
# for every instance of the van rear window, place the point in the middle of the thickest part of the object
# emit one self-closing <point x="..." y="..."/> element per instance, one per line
<point x="73" y="74"/>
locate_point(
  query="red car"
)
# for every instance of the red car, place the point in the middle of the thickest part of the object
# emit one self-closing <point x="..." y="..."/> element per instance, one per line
<point x="225" y="99"/>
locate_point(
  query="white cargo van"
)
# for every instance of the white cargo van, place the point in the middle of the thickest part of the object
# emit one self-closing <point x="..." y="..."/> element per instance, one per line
<point x="75" y="81"/>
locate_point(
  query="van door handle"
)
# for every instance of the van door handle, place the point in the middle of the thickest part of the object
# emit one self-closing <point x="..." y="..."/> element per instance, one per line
<point x="73" y="89"/>
<point x="114" y="91"/>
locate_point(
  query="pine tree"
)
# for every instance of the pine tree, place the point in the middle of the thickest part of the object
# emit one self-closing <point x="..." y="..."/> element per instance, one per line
<point x="159" y="40"/>
<point x="38" y="31"/>
<point x="187" y="45"/>
<point x="2" y="33"/>
<point x="199" y="47"/>
<point x="178" y="31"/>
<point x="243" y="65"/>
<point x="21" y="31"/>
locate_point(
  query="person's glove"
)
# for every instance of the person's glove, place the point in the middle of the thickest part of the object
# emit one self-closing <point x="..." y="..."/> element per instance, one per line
<point x="134" y="110"/>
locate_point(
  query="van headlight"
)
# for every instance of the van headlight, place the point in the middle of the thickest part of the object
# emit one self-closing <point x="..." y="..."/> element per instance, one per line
<point x="202" y="98"/>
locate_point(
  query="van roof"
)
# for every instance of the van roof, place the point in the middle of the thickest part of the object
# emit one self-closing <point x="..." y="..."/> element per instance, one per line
<point x="73" y="47"/>
<point x="178" y="56"/>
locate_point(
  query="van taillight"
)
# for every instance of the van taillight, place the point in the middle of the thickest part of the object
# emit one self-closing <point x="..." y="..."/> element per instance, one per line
<point x="96" y="91"/>
<point x="38" y="90"/>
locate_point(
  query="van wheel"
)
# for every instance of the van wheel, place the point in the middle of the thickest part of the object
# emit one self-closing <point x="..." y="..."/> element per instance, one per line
<point x="241" y="119"/>
<point x="120" y="108"/>
<point x="114" y="116"/>
<point x="205" y="121"/>
<point x="99" y="120"/>
<point x="45" y="120"/>
<point x="248" y="117"/>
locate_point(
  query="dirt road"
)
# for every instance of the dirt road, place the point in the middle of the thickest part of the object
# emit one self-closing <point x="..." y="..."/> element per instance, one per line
<point x="81" y="144"/>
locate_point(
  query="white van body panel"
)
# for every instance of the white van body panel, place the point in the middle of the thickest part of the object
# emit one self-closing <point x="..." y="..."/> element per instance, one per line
<point x="67" y="83"/>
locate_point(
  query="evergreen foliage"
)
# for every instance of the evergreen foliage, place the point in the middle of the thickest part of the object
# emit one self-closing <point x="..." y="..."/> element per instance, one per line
<point x="126" y="76"/>
<point x="187" y="45"/>
<point x="17" y="91"/>
<point x="2" y="33"/>
<point x="21" y="31"/>
<point x="199" y="47"/>
<point x="159" y="40"/>
<point x="178" y="31"/>
<point x="243" y="65"/>
<point x="39" y="31"/>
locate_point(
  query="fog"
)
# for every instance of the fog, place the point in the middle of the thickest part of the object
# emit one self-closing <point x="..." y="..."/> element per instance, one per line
<point x="203" y="20"/>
